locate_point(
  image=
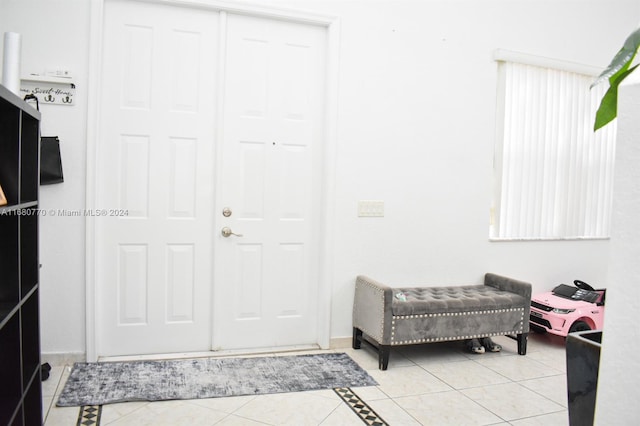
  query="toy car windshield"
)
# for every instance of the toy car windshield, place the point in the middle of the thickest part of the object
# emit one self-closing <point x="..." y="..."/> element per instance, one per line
<point x="575" y="293"/>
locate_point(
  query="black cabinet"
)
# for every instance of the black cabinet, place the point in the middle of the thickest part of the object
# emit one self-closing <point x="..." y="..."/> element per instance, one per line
<point x="20" y="386"/>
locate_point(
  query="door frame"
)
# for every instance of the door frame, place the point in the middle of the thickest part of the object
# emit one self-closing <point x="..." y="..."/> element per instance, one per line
<point x="327" y="221"/>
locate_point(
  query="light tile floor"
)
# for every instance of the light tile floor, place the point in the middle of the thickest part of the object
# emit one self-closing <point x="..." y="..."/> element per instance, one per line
<point x="437" y="384"/>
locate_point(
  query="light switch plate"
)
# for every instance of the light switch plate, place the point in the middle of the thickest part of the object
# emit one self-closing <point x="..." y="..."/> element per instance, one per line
<point x="370" y="208"/>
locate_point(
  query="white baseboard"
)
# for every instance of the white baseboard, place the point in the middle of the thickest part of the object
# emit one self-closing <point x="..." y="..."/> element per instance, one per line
<point x="62" y="358"/>
<point x="340" y="342"/>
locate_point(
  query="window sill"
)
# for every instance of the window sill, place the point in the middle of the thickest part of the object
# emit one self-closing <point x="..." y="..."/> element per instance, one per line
<point x="523" y="239"/>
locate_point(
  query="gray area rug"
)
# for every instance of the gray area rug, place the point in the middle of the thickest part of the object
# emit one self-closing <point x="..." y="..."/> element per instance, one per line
<point x="110" y="382"/>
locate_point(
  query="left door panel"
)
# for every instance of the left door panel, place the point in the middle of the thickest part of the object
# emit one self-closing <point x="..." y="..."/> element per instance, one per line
<point x="155" y="179"/>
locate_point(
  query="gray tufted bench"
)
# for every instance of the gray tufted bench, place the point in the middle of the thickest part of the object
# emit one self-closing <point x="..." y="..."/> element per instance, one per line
<point x="386" y="316"/>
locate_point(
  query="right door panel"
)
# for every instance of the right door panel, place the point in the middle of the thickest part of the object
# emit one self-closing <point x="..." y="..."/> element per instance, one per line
<point x="266" y="280"/>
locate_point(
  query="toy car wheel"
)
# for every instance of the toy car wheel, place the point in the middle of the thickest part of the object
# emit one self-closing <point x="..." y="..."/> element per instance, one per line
<point x="579" y="326"/>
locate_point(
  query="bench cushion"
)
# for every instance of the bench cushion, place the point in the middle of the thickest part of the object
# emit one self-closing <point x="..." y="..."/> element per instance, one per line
<point x="431" y="300"/>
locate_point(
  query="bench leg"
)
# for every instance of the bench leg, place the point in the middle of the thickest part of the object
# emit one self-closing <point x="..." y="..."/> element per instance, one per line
<point x="522" y="343"/>
<point x="383" y="356"/>
<point x="357" y="338"/>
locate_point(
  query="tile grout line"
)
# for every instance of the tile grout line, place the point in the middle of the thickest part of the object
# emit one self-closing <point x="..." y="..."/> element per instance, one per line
<point x="58" y="387"/>
<point x="362" y="410"/>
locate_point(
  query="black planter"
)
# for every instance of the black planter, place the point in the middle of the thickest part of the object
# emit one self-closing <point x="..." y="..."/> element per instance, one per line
<point x="583" y="361"/>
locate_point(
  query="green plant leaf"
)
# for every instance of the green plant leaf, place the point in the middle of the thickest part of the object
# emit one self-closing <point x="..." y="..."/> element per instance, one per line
<point x="622" y="60"/>
<point x="608" y="109"/>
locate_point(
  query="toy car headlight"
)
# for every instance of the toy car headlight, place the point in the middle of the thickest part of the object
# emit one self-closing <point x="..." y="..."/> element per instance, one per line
<point x="562" y="311"/>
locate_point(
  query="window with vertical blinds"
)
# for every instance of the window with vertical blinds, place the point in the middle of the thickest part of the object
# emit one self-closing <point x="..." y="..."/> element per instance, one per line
<point x="554" y="174"/>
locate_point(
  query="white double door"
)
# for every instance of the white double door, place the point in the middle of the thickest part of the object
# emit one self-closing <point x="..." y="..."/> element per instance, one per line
<point x="207" y="121"/>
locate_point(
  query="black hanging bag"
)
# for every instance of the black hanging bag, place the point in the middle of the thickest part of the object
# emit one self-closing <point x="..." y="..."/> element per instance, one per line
<point x="50" y="161"/>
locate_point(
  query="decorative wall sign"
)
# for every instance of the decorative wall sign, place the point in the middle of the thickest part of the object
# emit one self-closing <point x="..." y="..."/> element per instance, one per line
<point x="49" y="90"/>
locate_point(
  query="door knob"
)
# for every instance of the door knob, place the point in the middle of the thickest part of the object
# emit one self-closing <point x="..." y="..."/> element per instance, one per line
<point x="226" y="232"/>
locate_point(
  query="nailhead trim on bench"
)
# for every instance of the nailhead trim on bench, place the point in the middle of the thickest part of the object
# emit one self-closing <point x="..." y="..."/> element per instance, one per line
<point x="455" y="314"/>
<point x="450" y="314"/>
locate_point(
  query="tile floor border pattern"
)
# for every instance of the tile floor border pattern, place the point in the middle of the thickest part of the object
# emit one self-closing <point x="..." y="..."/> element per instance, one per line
<point x="359" y="407"/>
<point x="89" y="415"/>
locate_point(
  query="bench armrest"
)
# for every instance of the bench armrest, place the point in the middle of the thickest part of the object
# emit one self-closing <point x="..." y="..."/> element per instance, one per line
<point x="513" y="286"/>
<point x="372" y="311"/>
<point x="508" y="284"/>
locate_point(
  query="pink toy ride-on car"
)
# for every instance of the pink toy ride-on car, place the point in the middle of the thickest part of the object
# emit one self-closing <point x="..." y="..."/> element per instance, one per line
<point x="566" y="309"/>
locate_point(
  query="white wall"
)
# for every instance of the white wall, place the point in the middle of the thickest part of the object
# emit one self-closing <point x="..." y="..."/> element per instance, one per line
<point x="619" y="362"/>
<point x="416" y="129"/>
<point x="55" y="35"/>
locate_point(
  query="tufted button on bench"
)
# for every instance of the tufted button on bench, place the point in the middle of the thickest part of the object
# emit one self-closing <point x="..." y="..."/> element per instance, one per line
<point x="386" y="316"/>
